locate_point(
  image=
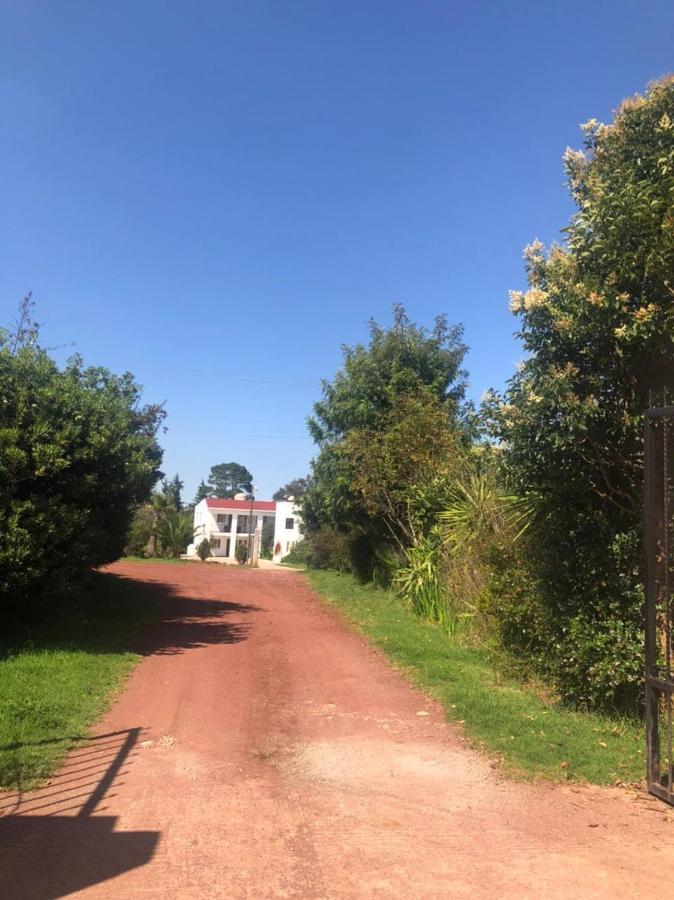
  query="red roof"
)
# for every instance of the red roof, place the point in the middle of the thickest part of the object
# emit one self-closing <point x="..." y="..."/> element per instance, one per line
<point x="259" y="505"/>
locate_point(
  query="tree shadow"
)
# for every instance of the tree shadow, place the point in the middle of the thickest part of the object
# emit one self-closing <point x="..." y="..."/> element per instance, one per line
<point x="118" y="613"/>
<point x="53" y="841"/>
<point x="189" y="623"/>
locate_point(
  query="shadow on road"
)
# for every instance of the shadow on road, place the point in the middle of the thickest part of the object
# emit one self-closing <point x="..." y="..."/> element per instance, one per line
<point x="119" y="613"/>
<point x="54" y="841"/>
<point x="190" y="623"/>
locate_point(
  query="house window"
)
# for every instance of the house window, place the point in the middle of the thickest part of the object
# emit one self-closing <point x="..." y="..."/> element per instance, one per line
<point x="290" y="524"/>
<point x="224" y="521"/>
<point x="215" y="543"/>
<point x="242" y="524"/>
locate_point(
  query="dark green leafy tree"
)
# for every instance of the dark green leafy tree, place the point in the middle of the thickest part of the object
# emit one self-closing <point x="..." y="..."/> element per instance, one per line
<point x="228" y="479"/>
<point x="398" y="361"/>
<point x="142" y="528"/>
<point x="597" y="325"/>
<point x="78" y="454"/>
<point x="402" y="471"/>
<point x="296" y="489"/>
<point x="357" y="408"/>
<point x="241" y="553"/>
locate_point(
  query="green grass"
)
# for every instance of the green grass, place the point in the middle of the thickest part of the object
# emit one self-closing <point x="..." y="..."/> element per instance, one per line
<point x="59" y="669"/>
<point x="532" y="736"/>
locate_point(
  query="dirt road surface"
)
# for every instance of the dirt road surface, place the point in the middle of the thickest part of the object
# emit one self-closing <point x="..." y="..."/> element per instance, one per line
<point x="261" y="749"/>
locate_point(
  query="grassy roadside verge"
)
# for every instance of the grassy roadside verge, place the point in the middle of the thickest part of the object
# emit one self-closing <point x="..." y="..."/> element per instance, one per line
<point x="532" y="737"/>
<point x="58" y="671"/>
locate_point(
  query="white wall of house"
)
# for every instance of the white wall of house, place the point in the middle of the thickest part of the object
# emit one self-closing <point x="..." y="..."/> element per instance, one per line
<point x="225" y="526"/>
<point x="287" y="529"/>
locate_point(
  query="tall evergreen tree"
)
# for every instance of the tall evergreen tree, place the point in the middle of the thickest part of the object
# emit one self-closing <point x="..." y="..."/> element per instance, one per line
<point x="229" y="479"/>
<point x="204" y="490"/>
<point x="173" y="489"/>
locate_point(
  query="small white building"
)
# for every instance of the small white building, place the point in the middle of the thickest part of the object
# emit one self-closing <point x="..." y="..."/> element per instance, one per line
<point x="227" y="523"/>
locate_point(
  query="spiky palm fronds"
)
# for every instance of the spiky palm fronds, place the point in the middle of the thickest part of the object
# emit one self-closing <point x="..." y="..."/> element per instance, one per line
<point x="175" y="531"/>
<point x="421" y="582"/>
<point x="481" y="513"/>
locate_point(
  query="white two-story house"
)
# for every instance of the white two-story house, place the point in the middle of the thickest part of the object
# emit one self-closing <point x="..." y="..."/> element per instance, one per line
<point x="228" y="522"/>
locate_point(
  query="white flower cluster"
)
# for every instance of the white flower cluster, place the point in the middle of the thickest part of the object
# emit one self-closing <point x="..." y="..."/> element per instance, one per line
<point x="526" y="301"/>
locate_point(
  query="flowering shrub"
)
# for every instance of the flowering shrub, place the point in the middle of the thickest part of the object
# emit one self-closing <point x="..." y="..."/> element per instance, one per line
<point x="598" y="331"/>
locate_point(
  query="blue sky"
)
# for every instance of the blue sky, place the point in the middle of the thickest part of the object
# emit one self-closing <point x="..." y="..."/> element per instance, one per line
<point x="216" y="196"/>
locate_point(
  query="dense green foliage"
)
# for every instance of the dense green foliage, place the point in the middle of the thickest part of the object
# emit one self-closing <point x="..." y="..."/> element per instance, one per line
<point x="173" y="490"/>
<point x="241" y="552"/>
<point x="296" y="489"/>
<point x="389" y="430"/>
<point x="204" y="549"/>
<point x="161" y="527"/>
<point x="227" y="479"/>
<point x="78" y="452"/>
<point x="597" y="327"/>
<point x="534" y="543"/>
<point x="267" y="538"/>
<point x="139" y="540"/>
<point x="204" y="490"/>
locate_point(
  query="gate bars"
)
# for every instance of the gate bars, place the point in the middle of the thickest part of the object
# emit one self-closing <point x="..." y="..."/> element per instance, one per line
<point x="659" y="531"/>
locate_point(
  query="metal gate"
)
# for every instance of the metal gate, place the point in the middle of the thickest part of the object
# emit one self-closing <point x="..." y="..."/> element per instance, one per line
<point x="659" y="534"/>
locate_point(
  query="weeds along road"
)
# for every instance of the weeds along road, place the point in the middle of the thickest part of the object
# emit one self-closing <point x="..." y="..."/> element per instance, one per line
<point x="261" y="749"/>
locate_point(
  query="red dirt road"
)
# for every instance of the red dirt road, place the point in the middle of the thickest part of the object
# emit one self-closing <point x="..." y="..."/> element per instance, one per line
<point x="262" y="750"/>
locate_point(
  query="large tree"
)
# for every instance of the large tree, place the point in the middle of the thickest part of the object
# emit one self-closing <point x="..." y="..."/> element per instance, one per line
<point x="598" y="330"/>
<point x="296" y="489"/>
<point x="228" y="479"/>
<point x="402" y="471"/>
<point x="78" y="453"/>
<point x="173" y="489"/>
<point x="396" y="360"/>
<point x="362" y="403"/>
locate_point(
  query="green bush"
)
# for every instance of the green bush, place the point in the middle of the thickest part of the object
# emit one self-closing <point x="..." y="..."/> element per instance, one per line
<point x="204" y="549"/>
<point x="140" y="532"/>
<point x="371" y="559"/>
<point x="267" y="539"/>
<point x="298" y="554"/>
<point x="327" y="549"/>
<point x="78" y="453"/>
<point x="241" y="553"/>
<point x="580" y="627"/>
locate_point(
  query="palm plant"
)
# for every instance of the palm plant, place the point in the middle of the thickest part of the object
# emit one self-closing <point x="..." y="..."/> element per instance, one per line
<point x="480" y="520"/>
<point x="421" y="581"/>
<point x="480" y="513"/>
<point x="160" y="505"/>
<point x="175" y="531"/>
